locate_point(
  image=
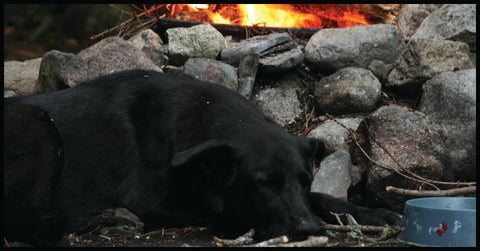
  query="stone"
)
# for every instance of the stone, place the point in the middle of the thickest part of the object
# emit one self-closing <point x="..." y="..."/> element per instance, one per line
<point x="348" y="90"/>
<point x="111" y="54"/>
<point x="413" y="140"/>
<point x="456" y="22"/>
<point x="151" y="44"/>
<point x="20" y="77"/>
<point x="199" y="41"/>
<point x="279" y="100"/>
<point x="411" y="17"/>
<point x="333" y="176"/>
<point x="425" y="58"/>
<point x="334" y="135"/>
<point x="450" y="100"/>
<point x="49" y="79"/>
<point x="330" y="50"/>
<point x="213" y="71"/>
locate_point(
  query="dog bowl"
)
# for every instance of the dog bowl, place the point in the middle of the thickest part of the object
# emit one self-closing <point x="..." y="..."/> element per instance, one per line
<point x="440" y="222"/>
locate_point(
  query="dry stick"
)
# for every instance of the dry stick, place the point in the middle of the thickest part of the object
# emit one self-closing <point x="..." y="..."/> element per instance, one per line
<point x="135" y="16"/>
<point x="312" y="241"/>
<point x="244" y="239"/>
<point x="429" y="193"/>
<point x="270" y="242"/>
<point x="347" y="228"/>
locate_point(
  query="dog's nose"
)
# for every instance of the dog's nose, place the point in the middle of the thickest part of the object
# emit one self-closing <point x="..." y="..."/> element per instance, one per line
<point x="307" y="228"/>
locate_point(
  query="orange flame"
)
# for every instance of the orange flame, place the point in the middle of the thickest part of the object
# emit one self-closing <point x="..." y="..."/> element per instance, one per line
<point x="274" y="15"/>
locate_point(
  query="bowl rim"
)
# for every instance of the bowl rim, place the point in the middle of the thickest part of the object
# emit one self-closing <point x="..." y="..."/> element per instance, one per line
<point x="412" y="203"/>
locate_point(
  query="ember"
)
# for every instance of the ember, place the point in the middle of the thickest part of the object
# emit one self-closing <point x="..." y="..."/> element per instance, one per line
<point x="280" y="15"/>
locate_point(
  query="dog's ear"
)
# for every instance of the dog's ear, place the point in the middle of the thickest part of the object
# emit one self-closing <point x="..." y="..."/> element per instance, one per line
<point x="214" y="158"/>
<point x="311" y="148"/>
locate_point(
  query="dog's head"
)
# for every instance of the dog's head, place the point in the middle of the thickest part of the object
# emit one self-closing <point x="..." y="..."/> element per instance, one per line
<point x="260" y="183"/>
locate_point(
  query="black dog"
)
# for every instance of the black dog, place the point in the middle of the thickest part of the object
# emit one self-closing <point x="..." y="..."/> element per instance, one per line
<point x="173" y="150"/>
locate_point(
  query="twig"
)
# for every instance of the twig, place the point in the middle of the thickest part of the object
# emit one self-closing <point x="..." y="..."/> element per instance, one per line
<point x="270" y="242"/>
<point x="6" y="242"/>
<point x="105" y="237"/>
<point x="312" y="241"/>
<point x="430" y="193"/>
<point x="363" y="228"/>
<point x="337" y="217"/>
<point x="244" y="239"/>
<point x="127" y="22"/>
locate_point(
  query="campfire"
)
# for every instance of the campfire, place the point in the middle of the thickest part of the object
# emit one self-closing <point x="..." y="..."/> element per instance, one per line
<point x="282" y="15"/>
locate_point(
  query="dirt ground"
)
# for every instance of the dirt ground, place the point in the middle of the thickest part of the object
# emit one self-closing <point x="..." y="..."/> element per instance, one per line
<point x="201" y="237"/>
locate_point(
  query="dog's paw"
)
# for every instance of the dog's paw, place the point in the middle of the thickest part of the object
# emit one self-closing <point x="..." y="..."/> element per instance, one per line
<point x="122" y="218"/>
<point x="378" y="217"/>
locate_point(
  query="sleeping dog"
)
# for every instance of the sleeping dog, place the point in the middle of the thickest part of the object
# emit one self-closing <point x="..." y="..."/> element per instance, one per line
<point x="175" y="151"/>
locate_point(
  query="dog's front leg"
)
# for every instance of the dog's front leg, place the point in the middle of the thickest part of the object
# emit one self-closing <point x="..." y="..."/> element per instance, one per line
<point x="323" y="204"/>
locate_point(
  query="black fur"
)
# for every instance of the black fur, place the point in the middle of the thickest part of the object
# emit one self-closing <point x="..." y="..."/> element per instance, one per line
<point x="174" y="151"/>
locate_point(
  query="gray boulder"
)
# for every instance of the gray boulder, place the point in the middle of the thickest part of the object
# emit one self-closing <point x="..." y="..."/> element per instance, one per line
<point x="151" y="44"/>
<point x="279" y="100"/>
<point x="199" y="41"/>
<point x="333" y="176"/>
<point x="49" y="78"/>
<point x="111" y="54"/>
<point x="334" y="135"/>
<point x="413" y="140"/>
<point x="20" y="77"/>
<point x="450" y="100"/>
<point x="348" y="90"/>
<point x="213" y="71"/>
<point x="411" y="17"/>
<point x="425" y="58"/>
<point x="330" y="50"/>
<point x="457" y="22"/>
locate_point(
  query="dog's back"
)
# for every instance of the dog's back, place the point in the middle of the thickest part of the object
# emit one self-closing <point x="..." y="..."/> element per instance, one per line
<point x="121" y="130"/>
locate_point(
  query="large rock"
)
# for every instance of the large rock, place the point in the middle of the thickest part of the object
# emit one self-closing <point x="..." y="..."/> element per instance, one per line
<point x="425" y="58"/>
<point x="333" y="176"/>
<point x="457" y="22"/>
<point x="20" y="77"/>
<point x="348" y="90"/>
<point x="213" y="71"/>
<point x="334" y="135"/>
<point x="151" y="44"/>
<point x="450" y="100"/>
<point x="111" y="54"/>
<point x="279" y="100"/>
<point x="199" y="41"/>
<point x="49" y="78"/>
<point x="330" y="50"/>
<point x="411" y="17"/>
<point x="413" y="140"/>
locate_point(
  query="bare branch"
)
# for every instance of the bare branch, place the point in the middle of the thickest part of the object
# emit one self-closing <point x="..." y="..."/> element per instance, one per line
<point x="270" y="242"/>
<point x="363" y="228"/>
<point x="430" y="193"/>
<point x="312" y="241"/>
<point x="244" y="239"/>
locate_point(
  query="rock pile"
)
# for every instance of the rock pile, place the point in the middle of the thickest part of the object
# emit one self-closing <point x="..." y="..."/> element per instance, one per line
<point x="429" y="56"/>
